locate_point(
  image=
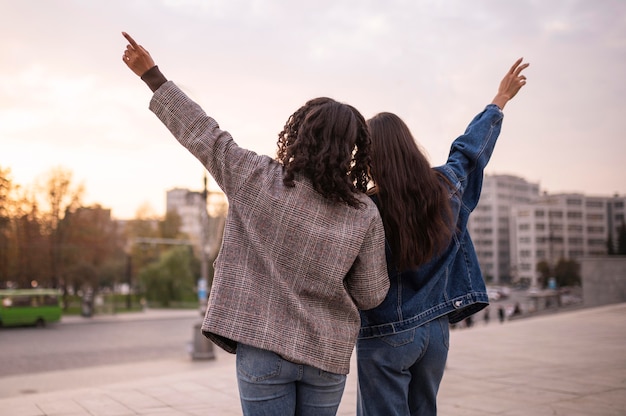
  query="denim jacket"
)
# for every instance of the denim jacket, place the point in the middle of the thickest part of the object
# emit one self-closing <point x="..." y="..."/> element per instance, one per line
<point x="450" y="284"/>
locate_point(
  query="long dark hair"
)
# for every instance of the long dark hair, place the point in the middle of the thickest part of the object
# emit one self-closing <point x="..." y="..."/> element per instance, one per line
<point x="413" y="198"/>
<point x="329" y="143"/>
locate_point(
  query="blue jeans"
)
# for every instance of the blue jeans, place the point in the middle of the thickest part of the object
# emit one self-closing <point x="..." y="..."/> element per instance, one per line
<point x="399" y="374"/>
<point x="272" y="386"/>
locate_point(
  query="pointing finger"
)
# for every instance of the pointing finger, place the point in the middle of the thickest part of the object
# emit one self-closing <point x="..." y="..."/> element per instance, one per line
<point x="130" y="40"/>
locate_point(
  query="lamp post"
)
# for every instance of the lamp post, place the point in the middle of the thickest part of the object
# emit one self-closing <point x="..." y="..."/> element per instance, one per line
<point x="202" y="346"/>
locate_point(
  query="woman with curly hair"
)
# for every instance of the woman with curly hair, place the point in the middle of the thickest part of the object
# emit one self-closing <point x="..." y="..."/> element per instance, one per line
<point x="433" y="270"/>
<point x="302" y="251"/>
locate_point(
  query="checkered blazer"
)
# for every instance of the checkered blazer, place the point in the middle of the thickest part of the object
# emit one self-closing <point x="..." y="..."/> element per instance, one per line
<point x="294" y="267"/>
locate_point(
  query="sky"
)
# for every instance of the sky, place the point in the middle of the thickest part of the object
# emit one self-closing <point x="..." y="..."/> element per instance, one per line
<point x="67" y="100"/>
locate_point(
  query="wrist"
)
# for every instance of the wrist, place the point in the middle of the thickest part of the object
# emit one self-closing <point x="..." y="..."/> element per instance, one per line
<point x="153" y="78"/>
<point x="500" y="100"/>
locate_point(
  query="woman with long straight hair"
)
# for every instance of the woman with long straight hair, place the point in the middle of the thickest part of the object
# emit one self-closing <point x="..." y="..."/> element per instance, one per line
<point x="433" y="269"/>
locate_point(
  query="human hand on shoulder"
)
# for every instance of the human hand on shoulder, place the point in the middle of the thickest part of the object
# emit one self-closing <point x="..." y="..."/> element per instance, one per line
<point x="512" y="82"/>
<point x="136" y="57"/>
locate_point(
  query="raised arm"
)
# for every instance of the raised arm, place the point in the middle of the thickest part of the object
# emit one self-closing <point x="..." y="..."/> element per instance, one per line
<point x="471" y="151"/>
<point x="510" y="84"/>
<point x="136" y="57"/>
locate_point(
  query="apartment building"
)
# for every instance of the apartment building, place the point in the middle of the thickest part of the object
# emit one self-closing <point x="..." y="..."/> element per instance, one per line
<point x="201" y="215"/>
<point x="554" y="227"/>
<point x="191" y="208"/>
<point x="490" y="223"/>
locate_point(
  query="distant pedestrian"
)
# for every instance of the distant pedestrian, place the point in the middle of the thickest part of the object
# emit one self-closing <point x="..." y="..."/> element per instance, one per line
<point x="501" y="314"/>
<point x="486" y="316"/>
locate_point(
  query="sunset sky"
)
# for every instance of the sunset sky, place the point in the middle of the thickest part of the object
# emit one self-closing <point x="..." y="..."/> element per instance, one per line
<point x="67" y="100"/>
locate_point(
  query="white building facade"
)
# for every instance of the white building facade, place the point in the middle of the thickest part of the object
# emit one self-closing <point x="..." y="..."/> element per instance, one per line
<point x="555" y="227"/>
<point x="490" y="223"/>
<point x="191" y="208"/>
<point x="202" y="216"/>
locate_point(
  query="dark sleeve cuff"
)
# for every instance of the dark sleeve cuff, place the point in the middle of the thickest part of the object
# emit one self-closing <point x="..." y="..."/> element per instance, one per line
<point x="154" y="78"/>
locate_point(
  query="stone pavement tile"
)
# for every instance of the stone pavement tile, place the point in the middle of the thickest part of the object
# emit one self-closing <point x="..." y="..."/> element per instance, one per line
<point x="487" y="402"/>
<point x="63" y="380"/>
<point x="449" y="409"/>
<point x="614" y="376"/>
<point x="135" y="399"/>
<point x="97" y="403"/>
<point x="221" y="409"/>
<point x="163" y="411"/>
<point x="453" y="386"/>
<point x="170" y="396"/>
<point x="16" y="407"/>
<point x="533" y="395"/>
<point x="60" y="407"/>
<point x="549" y="380"/>
<point x="596" y="405"/>
<point x="545" y="410"/>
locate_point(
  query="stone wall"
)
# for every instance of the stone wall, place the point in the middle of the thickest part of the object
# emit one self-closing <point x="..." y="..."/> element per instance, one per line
<point x="603" y="280"/>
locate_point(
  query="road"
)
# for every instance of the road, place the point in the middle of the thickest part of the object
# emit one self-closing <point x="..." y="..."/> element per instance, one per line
<point x="85" y="343"/>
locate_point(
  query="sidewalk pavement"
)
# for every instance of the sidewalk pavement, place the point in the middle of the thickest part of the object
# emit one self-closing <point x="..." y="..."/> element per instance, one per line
<point x="568" y="363"/>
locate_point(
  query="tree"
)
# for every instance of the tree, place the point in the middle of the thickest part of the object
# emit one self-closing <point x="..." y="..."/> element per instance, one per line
<point x="567" y="273"/>
<point x="6" y="186"/>
<point x="171" y="278"/>
<point x="170" y="226"/>
<point x="60" y="198"/>
<point x="91" y="239"/>
<point x="32" y="250"/>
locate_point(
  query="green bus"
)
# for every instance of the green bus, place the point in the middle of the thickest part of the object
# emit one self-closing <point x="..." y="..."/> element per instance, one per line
<point x="21" y="307"/>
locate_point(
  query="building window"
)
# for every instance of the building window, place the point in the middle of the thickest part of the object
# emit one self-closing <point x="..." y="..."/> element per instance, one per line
<point x="556" y="227"/>
<point x="539" y="213"/>
<point x="595" y="217"/>
<point x="556" y="214"/>
<point x="595" y="204"/>
<point x="574" y="201"/>
<point x="574" y="214"/>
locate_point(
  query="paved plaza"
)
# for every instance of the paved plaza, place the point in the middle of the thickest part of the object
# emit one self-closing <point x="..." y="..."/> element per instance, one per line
<point x="566" y="363"/>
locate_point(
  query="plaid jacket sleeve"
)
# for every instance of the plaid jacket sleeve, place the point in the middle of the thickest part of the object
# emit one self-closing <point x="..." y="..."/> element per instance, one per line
<point x="367" y="290"/>
<point x="202" y="136"/>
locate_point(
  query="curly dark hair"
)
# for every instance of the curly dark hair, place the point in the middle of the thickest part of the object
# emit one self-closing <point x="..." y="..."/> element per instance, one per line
<point x="329" y="143"/>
